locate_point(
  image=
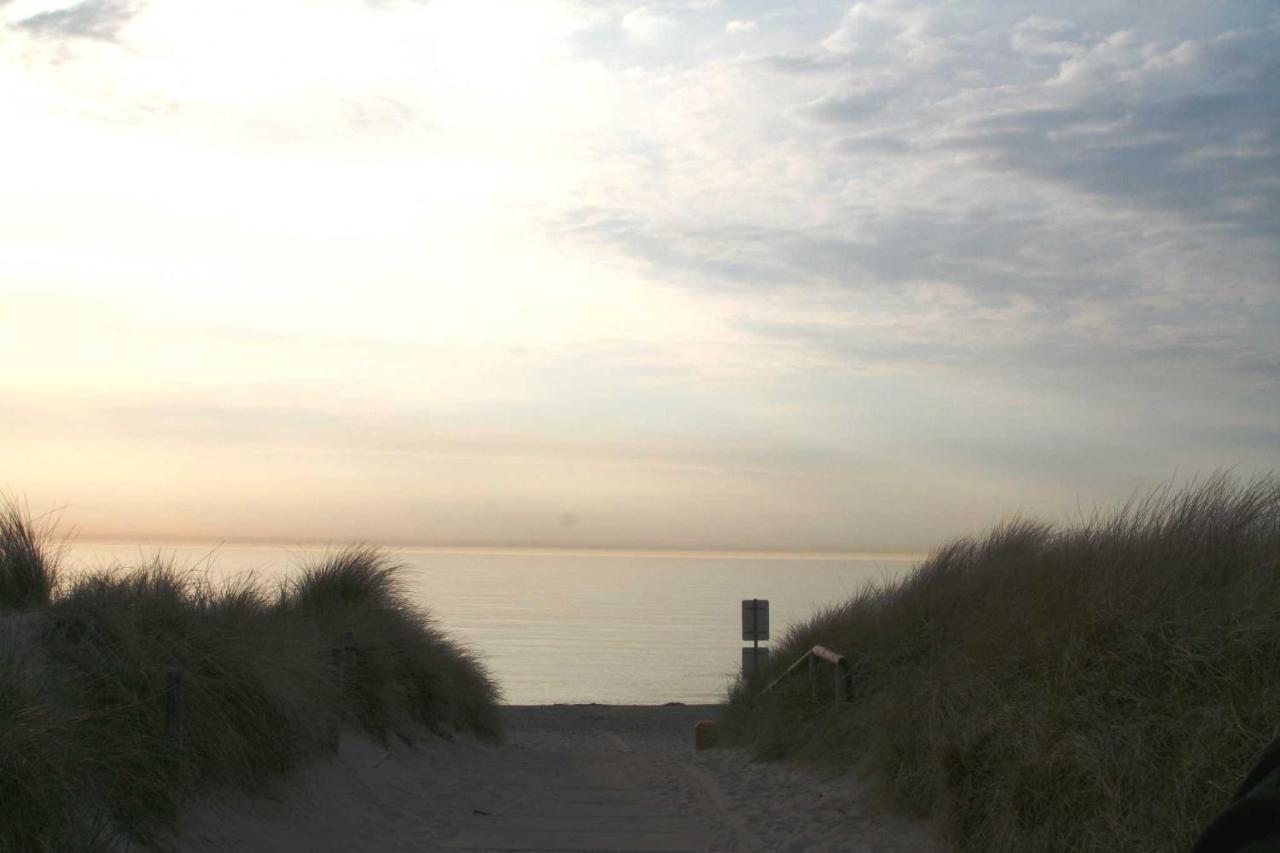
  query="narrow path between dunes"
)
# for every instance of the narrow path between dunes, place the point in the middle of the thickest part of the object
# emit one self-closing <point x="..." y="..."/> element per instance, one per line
<point x="569" y="778"/>
<point x="599" y="787"/>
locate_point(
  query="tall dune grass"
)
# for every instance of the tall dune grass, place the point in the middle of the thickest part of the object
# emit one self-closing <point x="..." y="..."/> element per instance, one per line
<point x="1100" y="686"/>
<point x="28" y="570"/>
<point x="400" y="663"/>
<point x="130" y="692"/>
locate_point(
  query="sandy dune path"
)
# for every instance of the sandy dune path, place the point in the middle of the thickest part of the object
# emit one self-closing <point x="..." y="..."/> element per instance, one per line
<point x="578" y="778"/>
<point x="598" y="794"/>
<point x="607" y="783"/>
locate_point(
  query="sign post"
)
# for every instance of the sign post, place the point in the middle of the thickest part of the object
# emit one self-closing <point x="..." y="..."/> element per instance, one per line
<point x="755" y="627"/>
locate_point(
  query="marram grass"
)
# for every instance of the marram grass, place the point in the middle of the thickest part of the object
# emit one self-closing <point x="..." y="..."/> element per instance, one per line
<point x="91" y="755"/>
<point x="1103" y="686"/>
<point x="28" y="562"/>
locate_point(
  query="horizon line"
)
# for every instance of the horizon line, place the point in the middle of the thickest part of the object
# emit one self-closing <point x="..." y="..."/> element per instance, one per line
<point x="531" y="550"/>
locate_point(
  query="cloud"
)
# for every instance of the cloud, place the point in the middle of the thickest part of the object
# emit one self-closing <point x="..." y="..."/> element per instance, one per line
<point x="798" y="63"/>
<point x="850" y="107"/>
<point x="381" y="115"/>
<point x="876" y="144"/>
<point x="1045" y="39"/>
<point x="1186" y="126"/>
<point x="1204" y="145"/>
<point x="1079" y="209"/>
<point x="946" y="234"/>
<point x="989" y="254"/>
<point x="645" y="25"/>
<point x="877" y="28"/>
<point x="100" y="20"/>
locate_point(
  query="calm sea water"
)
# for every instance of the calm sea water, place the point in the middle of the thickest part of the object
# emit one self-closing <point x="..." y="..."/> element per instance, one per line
<point x="578" y="626"/>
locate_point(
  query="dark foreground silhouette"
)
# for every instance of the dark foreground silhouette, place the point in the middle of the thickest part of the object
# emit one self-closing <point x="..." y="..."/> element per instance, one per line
<point x="1251" y="824"/>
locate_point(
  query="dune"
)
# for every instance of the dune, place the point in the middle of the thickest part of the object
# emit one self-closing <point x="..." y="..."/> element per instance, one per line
<point x="566" y="778"/>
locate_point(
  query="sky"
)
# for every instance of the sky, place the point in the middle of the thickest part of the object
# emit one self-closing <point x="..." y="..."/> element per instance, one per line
<point x="713" y="274"/>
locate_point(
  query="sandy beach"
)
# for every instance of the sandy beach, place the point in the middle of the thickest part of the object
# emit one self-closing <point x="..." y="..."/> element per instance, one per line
<point x="568" y="778"/>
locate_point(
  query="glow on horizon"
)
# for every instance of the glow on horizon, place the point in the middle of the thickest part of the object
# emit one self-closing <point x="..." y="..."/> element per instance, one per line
<point x="668" y="276"/>
<point x="320" y="547"/>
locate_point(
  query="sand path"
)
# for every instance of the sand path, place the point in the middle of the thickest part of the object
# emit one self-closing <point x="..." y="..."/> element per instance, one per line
<point x="602" y="778"/>
<point x="600" y="789"/>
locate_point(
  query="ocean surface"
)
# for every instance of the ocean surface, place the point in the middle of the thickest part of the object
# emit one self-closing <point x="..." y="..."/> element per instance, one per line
<point x="566" y="626"/>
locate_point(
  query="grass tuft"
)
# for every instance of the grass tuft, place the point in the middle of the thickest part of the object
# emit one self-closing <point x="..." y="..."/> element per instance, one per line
<point x="1103" y="686"/>
<point x="399" y="666"/>
<point x="351" y="578"/>
<point x="132" y="691"/>
<point x="28" y="562"/>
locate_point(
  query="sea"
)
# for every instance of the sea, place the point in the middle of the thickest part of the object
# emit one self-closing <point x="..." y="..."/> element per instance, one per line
<point x="574" y="626"/>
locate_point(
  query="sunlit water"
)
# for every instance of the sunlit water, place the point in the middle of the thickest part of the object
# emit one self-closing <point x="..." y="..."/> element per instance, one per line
<point x="582" y="626"/>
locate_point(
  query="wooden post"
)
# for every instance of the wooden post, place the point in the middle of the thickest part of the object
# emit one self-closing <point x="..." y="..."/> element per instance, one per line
<point x="173" y="706"/>
<point x="843" y="676"/>
<point x="842" y="680"/>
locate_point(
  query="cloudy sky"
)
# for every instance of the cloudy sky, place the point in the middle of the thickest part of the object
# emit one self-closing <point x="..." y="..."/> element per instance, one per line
<point x="720" y="274"/>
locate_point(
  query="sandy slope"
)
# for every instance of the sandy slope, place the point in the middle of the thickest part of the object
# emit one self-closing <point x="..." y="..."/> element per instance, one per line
<point x="568" y="778"/>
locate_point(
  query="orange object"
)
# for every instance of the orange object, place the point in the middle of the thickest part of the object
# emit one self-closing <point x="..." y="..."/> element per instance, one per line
<point x="704" y="734"/>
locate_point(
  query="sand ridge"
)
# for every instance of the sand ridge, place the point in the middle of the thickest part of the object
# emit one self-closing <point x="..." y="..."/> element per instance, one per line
<point x="568" y="778"/>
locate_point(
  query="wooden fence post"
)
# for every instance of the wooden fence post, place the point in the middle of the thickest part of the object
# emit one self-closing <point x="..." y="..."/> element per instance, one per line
<point x="843" y="683"/>
<point x="842" y="680"/>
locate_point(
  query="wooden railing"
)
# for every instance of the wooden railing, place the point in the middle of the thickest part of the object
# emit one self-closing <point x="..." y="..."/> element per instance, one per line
<point x="815" y="657"/>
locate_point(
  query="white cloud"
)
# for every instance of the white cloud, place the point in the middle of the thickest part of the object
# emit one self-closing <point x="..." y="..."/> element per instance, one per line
<point x="741" y="26"/>
<point x="876" y="26"/>
<point x="1044" y="37"/>
<point x="644" y="25"/>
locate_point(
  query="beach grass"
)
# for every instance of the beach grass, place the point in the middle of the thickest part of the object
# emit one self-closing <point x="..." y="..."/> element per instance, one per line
<point x="126" y="693"/>
<point x="1103" y="685"/>
<point x="28" y="560"/>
